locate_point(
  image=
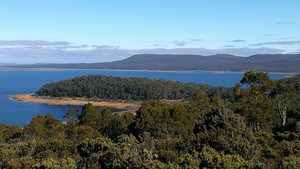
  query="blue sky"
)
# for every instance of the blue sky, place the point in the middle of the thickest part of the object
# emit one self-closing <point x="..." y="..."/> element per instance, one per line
<point x="60" y="31"/>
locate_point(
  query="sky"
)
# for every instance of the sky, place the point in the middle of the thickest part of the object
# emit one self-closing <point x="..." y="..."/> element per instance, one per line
<point x="76" y="31"/>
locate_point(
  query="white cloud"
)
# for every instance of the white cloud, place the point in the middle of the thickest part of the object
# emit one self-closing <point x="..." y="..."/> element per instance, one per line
<point x="160" y="45"/>
<point x="196" y="40"/>
<point x="229" y="46"/>
<point x="286" y="23"/>
<point x="66" y="52"/>
<point x="277" y="43"/>
<point x="238" y="41"/>
<point x="270" y="34"/>
<point x="180" y="43"/>
<point x="32" y="43"/>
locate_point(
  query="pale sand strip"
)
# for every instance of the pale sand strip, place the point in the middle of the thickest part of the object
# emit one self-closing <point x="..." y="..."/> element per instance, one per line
<point x="75" y="101"/>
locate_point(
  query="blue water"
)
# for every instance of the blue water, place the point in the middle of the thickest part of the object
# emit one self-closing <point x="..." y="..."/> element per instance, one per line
<point x="21" y="81"/>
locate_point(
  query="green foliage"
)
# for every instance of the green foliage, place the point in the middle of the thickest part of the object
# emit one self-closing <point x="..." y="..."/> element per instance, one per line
<point x="52" y="163"/>
<point x="44" y="127"/>
<point x="116" y="88"/>
<point x="97" y="119"/>
<point x="190" y="160"/>
<point x="255" y="102"/>
<point x="164" y="120"/>
<point x="9" y="133"/>
<point x="294" y="81"/>
<point x="89" y="116"/>
<point x="210" y="158"/>
<point x="58" y="147"/>
<point x="106" y="154"/>
<point x="225" y="131"/>
<point x="120" y="124"/>
<point x="291" y="162"/>
<point x="199" y="104"/>
<point x="79" y="133"/>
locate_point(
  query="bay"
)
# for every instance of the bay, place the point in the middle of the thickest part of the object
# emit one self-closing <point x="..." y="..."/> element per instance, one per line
<point x="29" y="81"/>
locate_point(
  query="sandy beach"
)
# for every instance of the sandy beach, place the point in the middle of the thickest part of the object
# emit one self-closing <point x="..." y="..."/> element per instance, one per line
<point x="123" y="106"/>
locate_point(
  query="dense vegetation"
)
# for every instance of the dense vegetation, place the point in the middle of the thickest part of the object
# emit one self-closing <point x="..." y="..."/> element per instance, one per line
<point x="219" y="62"/>
<point x="259" y="127"/>
<point x="116" y="88"/>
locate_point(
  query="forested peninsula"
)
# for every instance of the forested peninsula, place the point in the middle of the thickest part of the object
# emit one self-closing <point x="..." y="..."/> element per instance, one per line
<point x="124" y="89"/>
<point x="255" y="124"/>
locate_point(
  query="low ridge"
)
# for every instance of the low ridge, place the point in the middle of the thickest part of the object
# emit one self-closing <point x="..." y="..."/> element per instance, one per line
<point x="168" y="62"/>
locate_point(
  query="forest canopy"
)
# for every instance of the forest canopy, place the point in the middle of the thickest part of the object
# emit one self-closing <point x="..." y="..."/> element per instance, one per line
<point x="117" y="88"/>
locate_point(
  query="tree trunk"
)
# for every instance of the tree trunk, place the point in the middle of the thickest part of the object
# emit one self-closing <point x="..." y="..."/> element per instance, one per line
<point x="282" y="107"/>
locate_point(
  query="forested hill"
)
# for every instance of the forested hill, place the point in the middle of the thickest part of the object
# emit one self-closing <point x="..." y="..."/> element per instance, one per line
<point x="117" y="88"/>
<point x="220" y="62"/>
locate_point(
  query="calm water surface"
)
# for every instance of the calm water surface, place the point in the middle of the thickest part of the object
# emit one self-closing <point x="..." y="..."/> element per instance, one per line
<point x="21" y="81"/>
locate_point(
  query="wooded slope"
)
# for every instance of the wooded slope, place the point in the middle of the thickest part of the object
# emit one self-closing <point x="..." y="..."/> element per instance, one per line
<point x="220" y="62"/>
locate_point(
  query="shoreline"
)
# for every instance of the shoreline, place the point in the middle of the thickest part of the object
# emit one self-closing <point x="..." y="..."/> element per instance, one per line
<point x="121" y="106"/>
<point x="175" y="71"/>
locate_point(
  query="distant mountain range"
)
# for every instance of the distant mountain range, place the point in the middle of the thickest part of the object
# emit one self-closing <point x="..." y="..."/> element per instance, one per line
<point x="219" y="62"/>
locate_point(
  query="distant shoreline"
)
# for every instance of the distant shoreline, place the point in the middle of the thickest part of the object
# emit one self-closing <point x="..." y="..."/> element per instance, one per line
<point x="122" y="106"/>
<point x="179" y="71"/>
